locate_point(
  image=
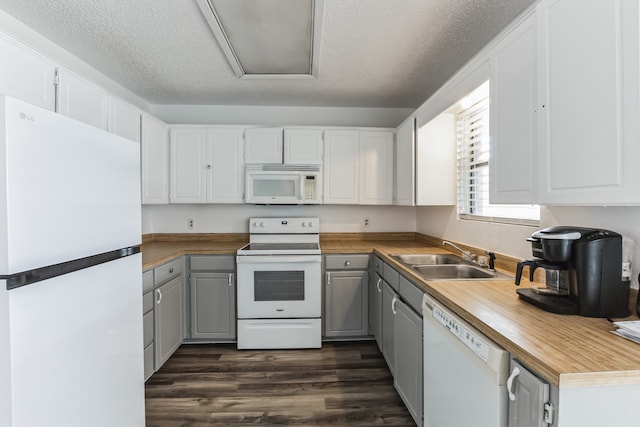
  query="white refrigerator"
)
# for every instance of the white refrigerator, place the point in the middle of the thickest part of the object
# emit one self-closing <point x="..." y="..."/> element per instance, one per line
<point x="71" y="347"/>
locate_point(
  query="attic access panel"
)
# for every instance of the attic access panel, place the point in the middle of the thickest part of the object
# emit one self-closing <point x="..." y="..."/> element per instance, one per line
<point x="267" y="38"/>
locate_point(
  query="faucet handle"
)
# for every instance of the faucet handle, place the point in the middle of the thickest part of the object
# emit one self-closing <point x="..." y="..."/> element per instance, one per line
<point x="492" y="259"/>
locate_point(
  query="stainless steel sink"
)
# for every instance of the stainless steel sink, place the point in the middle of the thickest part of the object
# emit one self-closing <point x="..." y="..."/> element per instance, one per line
<point x="457" y="272"/>
<point x="447" y="267"/>
<point x="429" y="259"/>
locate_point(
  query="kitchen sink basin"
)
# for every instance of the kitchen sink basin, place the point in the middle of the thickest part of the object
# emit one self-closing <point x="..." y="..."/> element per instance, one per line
<point x="457" y="272"/>
<point x="430" y="259"/>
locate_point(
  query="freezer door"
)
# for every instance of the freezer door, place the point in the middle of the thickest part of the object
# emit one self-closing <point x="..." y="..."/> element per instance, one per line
<point x="67" y="191"/>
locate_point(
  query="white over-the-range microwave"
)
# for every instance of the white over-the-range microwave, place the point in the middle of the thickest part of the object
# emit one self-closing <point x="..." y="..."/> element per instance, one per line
<point x="282" y="184"/>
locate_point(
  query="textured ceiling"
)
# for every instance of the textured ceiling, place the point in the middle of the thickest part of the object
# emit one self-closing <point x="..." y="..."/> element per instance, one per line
<point x="373" y="53"/>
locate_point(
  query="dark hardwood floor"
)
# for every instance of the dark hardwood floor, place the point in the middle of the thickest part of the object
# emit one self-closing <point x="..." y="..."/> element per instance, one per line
<point x="342" y="384"/>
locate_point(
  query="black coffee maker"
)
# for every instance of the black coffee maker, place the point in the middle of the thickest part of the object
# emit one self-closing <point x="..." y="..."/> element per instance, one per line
<point x="583" y="268"/>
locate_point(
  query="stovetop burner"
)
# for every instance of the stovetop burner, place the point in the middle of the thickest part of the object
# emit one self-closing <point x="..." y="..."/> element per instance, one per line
<point x="283" y="236"/>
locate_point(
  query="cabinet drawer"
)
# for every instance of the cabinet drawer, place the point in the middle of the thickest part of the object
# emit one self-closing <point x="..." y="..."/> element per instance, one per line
<point x="377" y="265"/>
<point x="215" y="262"/>
<point x="147" y="281"/>
<point x="390" y="275"/>
<point x="346" y="262"/>
<point x="167" y="271"/>
<point x="147" y="302"/>
<point x="148" y="361"/>
<point x="147" y="327"/>
<point x="411" y="294"/>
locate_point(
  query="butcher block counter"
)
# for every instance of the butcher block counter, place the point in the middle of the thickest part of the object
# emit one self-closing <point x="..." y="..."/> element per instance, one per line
<point x="567" y="351"/>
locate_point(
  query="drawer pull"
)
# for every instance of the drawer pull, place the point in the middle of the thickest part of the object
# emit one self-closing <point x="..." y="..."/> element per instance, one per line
<point x="347" y="263"/>
<point x="171" y="270"/>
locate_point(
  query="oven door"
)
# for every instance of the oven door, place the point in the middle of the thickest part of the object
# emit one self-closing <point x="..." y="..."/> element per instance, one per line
<point x="279" y="286"/>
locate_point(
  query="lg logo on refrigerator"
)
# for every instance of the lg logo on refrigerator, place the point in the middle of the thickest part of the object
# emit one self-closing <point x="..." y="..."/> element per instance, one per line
<point x="28" y="117"/>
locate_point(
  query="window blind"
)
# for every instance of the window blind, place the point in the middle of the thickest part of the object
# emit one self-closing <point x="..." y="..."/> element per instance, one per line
<point x="473" y="145"/>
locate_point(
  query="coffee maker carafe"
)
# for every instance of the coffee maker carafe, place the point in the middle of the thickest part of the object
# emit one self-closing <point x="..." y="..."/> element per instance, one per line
<point x="583" y="272"/>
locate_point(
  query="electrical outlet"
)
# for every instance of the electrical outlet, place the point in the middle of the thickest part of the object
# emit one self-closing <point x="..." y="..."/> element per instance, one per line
<point x="191" y="224"/>
<point x="366" y="222"/>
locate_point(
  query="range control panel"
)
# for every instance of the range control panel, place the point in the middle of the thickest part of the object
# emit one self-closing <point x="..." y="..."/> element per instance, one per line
<point x="287" y="225"/>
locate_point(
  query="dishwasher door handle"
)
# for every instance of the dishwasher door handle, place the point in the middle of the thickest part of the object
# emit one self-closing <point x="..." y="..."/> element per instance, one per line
<point x="514" y="374"/>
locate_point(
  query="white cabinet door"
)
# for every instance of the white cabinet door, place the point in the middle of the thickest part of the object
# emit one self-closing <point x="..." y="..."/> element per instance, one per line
<point x="155" y="161"/>
<point x="225" y="178"/>
<point x="589" y="102"/>
<point x="82" y="100"/>
<point x="513" y="120"/>
<point x="376" y="167"/>
<point x="26" y="75"/>
<point x="188" y="165"/>
<point x="263" y="145"/>
<point x="341" y="167"/>
<point x="303" y="146"/>
<point x="436" y="162"/>
<point x="405" y="163"/>
<point x="124" y="119"/>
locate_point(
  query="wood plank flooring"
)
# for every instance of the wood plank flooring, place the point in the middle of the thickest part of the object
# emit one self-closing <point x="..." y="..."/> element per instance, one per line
<point x="342" y="384"/>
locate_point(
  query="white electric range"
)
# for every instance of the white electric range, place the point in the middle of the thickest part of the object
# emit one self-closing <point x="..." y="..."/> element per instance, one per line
<point x="280" y="284"/>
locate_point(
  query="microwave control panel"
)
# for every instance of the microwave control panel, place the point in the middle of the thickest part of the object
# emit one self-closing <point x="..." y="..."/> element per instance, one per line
<point x="310" y="187"/>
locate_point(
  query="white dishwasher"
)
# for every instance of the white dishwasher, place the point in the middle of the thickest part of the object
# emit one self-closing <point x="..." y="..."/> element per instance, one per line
<point x="464" y="372"/>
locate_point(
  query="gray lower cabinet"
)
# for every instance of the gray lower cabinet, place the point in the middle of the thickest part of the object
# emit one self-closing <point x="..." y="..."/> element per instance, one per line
<point x="169" y="315"/>
<point x="389" y="301"/>
<point x="212" y="293"/>
<point x="529" y="399"/>
<point x="346" y="296"/>
<point x="376" y="303"/>
<point x="408" y="379"/>
<point x="147" y="322"/>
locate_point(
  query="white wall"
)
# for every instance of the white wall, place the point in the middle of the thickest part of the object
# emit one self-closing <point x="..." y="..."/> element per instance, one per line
<point x="235" y="218"/>
<point x="511" y="239"/>
<point x="272" y="115"/>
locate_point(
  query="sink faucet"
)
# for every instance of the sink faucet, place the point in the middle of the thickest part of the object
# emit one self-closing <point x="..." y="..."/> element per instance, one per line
<point x="465" y="254"/>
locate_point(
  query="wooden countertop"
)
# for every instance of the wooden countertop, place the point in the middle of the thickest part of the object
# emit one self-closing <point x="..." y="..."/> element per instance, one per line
<point x="569" y="351"/>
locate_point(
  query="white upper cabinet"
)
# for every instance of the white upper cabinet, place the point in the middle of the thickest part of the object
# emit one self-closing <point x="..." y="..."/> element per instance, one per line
<point x="206" y="165"/>
<point x="26" y="75"/>
<point x="124" y="119"/>
<point x="263" y="145"/>
<point x="82" y="100"/>
<point x="303" y="146"/>
<point x="188" y="165"/>
<point x="155" y="161"/>
<point x="405" y="163"/>
<point x="279" y="145"/>
<point x="225" y="177"/>
<point x="376" y="167"/>
<point x="341" y="166"/>
<point x="512" y="115"/>
<point x="589" y="102"/>
<point x="436" y="161"/>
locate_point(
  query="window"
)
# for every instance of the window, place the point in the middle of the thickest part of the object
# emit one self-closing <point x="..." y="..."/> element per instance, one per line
<point x="473" y="141"/>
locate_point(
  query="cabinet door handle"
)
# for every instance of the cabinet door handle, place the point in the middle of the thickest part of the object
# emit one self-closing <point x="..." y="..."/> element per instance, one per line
<point x="394" y="300"/>
<point x="378" y="284"/>
<point x="328" y="278"/>
<point x="514" y="374"/>
<point x="159" y="294"/>
<point x="230" y="279"/>
<point x="208" y="166"/>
